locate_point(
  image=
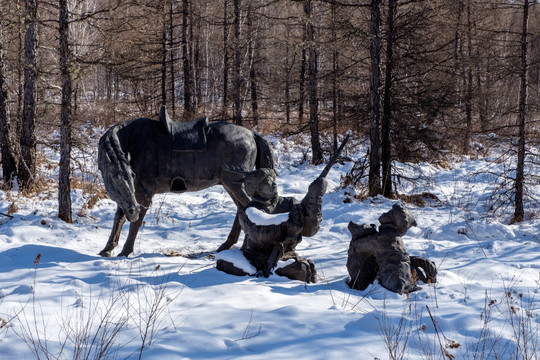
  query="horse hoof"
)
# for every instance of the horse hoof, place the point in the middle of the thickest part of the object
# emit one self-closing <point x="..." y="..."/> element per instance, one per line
<point x="123" y="254"/>
<point x="105" y="253"/>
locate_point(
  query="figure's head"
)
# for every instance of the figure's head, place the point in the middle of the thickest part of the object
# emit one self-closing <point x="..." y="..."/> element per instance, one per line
<point x="261" y="184"/>
<point x="398" y="218"/>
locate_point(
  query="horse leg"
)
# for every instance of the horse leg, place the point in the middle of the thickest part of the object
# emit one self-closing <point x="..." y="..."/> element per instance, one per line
<point x="119" y="220"/>
<point x="133" y="230"/>
<point x="233" y="235"/>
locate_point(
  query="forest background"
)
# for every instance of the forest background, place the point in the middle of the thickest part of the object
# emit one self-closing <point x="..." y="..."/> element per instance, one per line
<point x="419" y="79"/>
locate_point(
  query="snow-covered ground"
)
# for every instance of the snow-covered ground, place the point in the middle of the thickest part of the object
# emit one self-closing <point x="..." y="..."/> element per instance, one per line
<point x="169" y="298"/>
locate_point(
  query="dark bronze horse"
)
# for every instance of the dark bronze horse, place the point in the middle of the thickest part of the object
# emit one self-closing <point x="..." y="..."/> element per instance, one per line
<point x="143" y="157"/>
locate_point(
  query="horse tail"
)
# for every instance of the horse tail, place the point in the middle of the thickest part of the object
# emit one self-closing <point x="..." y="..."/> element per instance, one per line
<point x="114" y="165"/>
<point x="265" y="152"/>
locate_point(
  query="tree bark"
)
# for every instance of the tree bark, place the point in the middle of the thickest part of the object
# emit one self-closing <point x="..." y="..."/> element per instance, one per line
<point x="164" y="55"/>
<point x="302" y="80"/>
<point x="469" y="81"/>
<point x="335" y="70"/>
<point x="225" y="60"/>
<point x="188" y="80"/>
<point x="287" y="82"/>
<point x="252" y="69"/>
<point x="237" y="64"/>
<point x="27" y="163"/>
<point x="197" y="60"/>
<point x="374" y="180"/>
<point x="64" y="186"/>
<point x="317" y="155"/>
<point x="522" y="112"/>
<point x="171" y="59"/>
<point x="9" y="165"/>
<point x="20" y="76"/>
<point x="386" y="146"/>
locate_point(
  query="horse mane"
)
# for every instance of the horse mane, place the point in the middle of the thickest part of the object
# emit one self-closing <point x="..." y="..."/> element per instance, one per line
<point x="114" y="165"/>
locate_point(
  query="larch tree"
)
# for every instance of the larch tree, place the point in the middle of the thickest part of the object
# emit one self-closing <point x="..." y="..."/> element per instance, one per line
<point x="186" y="62"/>
<point x="386" y="122"/>
<point x="172" y="71"/>
<point x="27" y="161"/>
<point x="164" y="51"/>
<point x="317" y="154"/>
<point x="64" y="186"/>
<point x="9" y="165"/>
<point x="237" y="87"/>
<point x="252" y="58"/>
<point x="522" y="117"/>
<point x="225" y="77"/>
<point x="374" y="176"/>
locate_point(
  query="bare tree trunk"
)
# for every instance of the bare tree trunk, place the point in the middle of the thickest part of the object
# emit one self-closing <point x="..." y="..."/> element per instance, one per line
<point x="317" y="154"/>
<point x="287" y="84"/>
<point x="164" y="55"/>
<point x="386" y="146"/>
<point x="252" y="70"/>
<point x="197" y="61"/>
<point x="457" y="38"/>
<point x="237" y="64"/>
<point x="20" y="77"/>
<point x="289" y="64"/>
<point x="9" y="165"/>
<point x="301" y="89"/>
<point x="483" y="81"/>
<point x="469" y="82"/>
<point x="335" y="69"/>
<point x="522" y="112"/>
<point x="171" y="59"/>
<point x="225" y="60"/>
<point x="188" y="80"/>
<point x="64" y="186"/>
<point x="27" y="163"/>
<point x="374" y="181"/>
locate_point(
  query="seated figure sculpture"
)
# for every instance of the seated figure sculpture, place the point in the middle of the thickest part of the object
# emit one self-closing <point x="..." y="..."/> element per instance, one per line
<point x="275" y="239"/>
<point x="380" y="255"/>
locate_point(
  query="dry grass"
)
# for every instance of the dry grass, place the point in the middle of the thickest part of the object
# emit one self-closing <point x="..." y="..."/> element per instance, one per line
<point x="419" y="200"/>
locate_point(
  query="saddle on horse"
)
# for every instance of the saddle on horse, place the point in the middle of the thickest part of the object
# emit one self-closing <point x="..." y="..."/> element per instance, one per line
<point x="182" y="138"/>
<point x="185" y="136"/>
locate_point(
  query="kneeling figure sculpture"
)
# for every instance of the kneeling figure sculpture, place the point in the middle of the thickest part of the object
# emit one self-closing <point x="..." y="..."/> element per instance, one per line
<point x="274" y="226"/>
<point x="380" y="255"/>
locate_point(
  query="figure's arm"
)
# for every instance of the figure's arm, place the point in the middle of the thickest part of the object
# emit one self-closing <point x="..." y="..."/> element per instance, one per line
<point x="312" y="206"/>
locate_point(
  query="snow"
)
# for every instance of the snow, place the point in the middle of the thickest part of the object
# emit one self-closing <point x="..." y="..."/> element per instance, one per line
<point x="487" y="290"/>
<point x="259" y="217"/>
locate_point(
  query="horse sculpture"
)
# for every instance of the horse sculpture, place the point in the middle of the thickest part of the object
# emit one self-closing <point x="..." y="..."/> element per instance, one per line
<point x="142" y="157"/>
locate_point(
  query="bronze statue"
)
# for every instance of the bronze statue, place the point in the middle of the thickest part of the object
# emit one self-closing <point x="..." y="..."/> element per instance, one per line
<point x="381" y="255"/>
<point x="267" y="241"/>
<point x="143" y="157"/>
